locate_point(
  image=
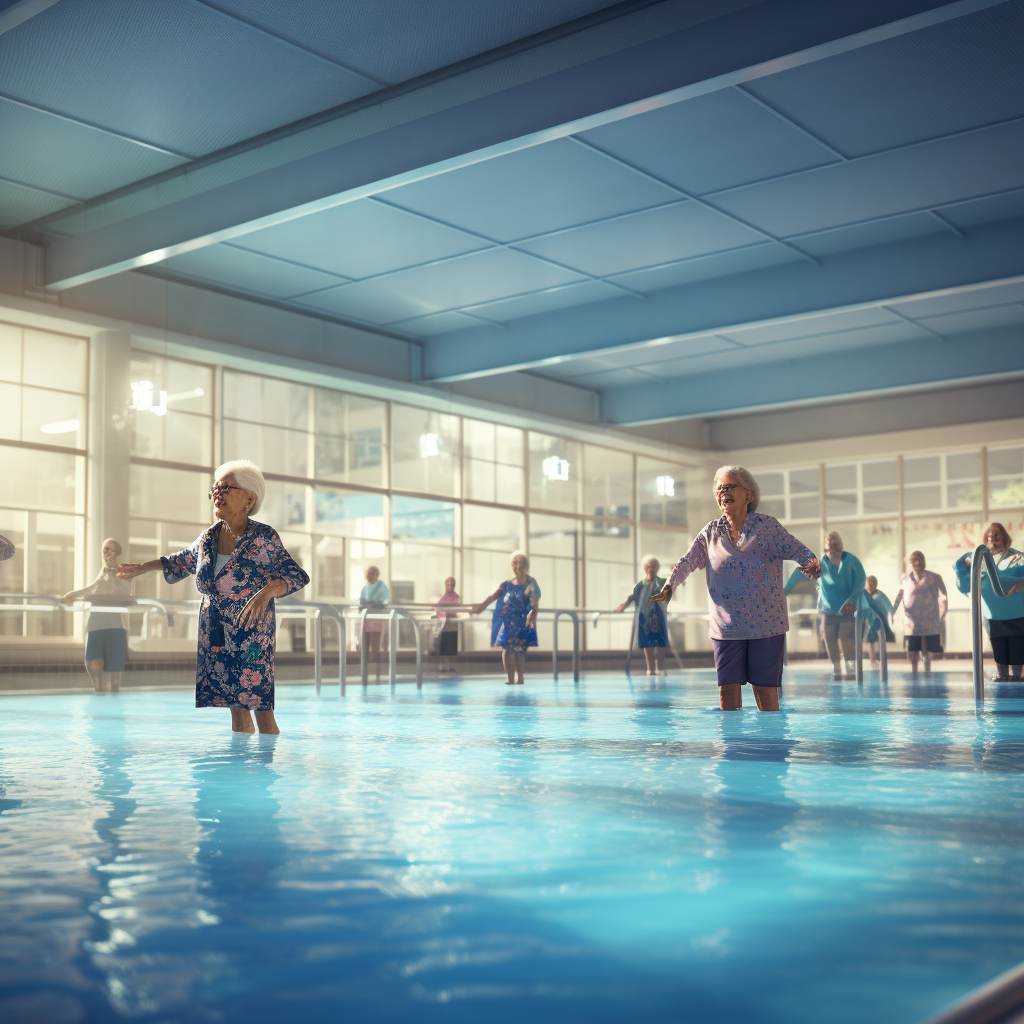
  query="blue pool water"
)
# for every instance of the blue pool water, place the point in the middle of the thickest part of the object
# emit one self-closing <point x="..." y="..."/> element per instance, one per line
<point x="550" y="852"/>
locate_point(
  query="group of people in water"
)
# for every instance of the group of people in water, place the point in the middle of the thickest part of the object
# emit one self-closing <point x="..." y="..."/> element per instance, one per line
<point x="241" y="566"/>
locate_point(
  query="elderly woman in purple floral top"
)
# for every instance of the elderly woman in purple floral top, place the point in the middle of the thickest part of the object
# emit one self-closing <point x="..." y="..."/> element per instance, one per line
<point x="240" y="567"/>
<point x="742" y="553"/>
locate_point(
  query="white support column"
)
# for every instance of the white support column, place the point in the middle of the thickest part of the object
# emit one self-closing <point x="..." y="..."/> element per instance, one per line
<point x="108" y="472"/>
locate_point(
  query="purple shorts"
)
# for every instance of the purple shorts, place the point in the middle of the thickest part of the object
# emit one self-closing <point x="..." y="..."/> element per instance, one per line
<point x="758" y="662"/>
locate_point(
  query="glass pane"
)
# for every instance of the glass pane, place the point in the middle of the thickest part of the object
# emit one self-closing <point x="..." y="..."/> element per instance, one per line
<point x="840" y="504"/>
<point x="54" y="361"/>
<point x="189" y="438"/>
<point x="55" y="553"/>
<point x="773" y="485"/>
<point x="509" y="485"/>
<point x="921" y="469"/>
<point x="883" y="500"/>
<point x="273" y="449"/>
<point x="425" y="450"/>
<point x="772" y="507"/>
<point x="350" y="438"/>
<point x="803" y="481"/>
<point x="509" y="445"/>
<point x="422" y="519"/>
<point x="608" y="482"/>
<point x="805" y="508"/>
<point x="242" y="396"/>
<point x="360" y="556"/>
<point x="668" y="546"/>
<point x="1006" y="477"/>
<point x="170" y="494"/>
<point x="917" y="499"/>
<point x="41" y="480"/>
<point x="841" y="478"/>
<point x="479" y="439"/>
<point x="879" y="474"/>
<point x="189" y="386"/>
<point x="418" y="571"/>
<point x="10" y="411"/>
<point x="963" y="495"/>
<point x="286" y="505"/>
<point x="482" y="572"/>
<point x="328" y="574"/>
<point x="479" y="480"/>
<point x="349" y="514"/>
<point x="53" y="417"/>
<point x="610" y="542"/>
<point x="554" y="472"/>
<point x="662" y="492"/>
<point x="492" y="528"/>
<point x="554" y="535"/>
<point x="10" y="352"/>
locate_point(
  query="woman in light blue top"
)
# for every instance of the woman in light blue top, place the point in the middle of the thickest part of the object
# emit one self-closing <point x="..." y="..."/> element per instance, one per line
<point x="880" y="604"/>
<point x="374" y="597"/>
<point x="1003" y="616"/>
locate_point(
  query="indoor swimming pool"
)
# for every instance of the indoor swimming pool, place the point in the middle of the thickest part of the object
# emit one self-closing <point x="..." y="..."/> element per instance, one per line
<point x="603" y="851"/>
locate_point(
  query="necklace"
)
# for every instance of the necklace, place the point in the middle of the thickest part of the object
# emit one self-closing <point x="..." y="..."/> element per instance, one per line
<point x="237" y="536"/>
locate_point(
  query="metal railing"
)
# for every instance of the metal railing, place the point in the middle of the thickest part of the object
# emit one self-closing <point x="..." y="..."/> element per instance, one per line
<point x="982" y="559"/>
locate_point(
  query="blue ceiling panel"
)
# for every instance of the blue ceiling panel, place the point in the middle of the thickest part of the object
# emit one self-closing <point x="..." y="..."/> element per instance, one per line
<point x="962" y="301"/>
<point x="547" y="301"/>
<point x="608" y="378"/>
<point x="361" y="239"/>
<point x="543" y="188"/>
<point x="238" y="268"/>
<point x="56" y="154"/>
<point x="984" y="211"/>
<point x="947" y="78"/>
<point x="812" y="326"/>
<point x="464" y="281"/>
<point x="932" y="174"/>
<point x="976" y="320"/>
<point x="173" y="73"/>
<point x="400" y="39"/>
<point x="863" y="236"/>
<point x="19" y="204"/>
<point x="438" y="323"/>
<point x="736" y="261"/>
<point x="643" y="239"/>
<point x="711" y="142"/>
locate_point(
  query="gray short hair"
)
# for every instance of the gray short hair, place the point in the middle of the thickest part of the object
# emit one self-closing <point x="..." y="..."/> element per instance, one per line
<point x="650" y="558"/>
<point x="519" y="554"/>
<point x="248" y="476"/>
<point x="835" y="536"/>
<point x="746" y="478"/>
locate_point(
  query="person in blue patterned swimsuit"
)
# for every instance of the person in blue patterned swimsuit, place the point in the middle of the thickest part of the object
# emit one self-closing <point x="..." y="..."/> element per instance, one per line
<point x="240" y="567"/>
<point x="651" y="622"/>
<point x="513" y="625"/>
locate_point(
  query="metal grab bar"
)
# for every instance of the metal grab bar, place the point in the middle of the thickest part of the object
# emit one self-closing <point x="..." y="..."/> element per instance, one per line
<point x="982" y="559"/>
<point x="883" y="654"/>
<point x="557" y="613"/>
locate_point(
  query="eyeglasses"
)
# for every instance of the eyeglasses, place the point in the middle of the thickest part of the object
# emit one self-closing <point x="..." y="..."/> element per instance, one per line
<point x="727" y="488"/>
<point x="222" y="489"/>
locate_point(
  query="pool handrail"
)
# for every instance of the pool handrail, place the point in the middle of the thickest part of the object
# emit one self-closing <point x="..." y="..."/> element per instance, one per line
<point x="998" y="1001"/>
<point x="982" y="559"/>
<point x="556" y="614"/>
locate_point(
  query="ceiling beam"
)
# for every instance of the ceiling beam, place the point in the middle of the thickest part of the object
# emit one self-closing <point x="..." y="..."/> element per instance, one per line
<point x="758" y="37"/>
<point x="866" y="278"/>
<point x="13" y="15"/>
<point x="857" y="373"/>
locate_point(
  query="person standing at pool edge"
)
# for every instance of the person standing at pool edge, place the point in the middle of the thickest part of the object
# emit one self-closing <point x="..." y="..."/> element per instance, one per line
<point x="742" y="553"/>
<point x="651" y="621"/>
<point x="923" y="595"/>
<point x="513" y="626"/>
<point x="373" y="597"/>
<point x="240" y="566"/>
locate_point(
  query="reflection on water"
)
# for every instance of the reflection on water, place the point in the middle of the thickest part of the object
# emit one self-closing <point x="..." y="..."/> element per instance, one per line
<point x="479" y="851"/>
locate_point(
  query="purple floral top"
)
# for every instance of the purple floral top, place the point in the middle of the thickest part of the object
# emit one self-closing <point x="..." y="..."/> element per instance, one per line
<point x="921" y="603"/>
<point x="235" y="664"/>
<point x="745" y="595"/>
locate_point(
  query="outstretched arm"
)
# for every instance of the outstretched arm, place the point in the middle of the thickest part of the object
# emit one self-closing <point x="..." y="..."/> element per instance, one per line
<point x="129" y="570"/>
<point x="478" y="608"/>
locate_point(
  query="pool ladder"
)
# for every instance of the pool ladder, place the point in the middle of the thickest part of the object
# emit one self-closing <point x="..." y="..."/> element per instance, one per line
<point x="982" y="560"/>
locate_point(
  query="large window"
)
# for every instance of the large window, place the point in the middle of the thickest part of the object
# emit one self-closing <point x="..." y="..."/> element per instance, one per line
<point x="426" y="450"/>
<point x="555" y="473"/>
<point x="492" y="462"/>
<point x="43" y="394"/>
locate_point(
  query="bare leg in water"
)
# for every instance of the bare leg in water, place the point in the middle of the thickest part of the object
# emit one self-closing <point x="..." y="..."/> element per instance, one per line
<point x="730" y="697"/>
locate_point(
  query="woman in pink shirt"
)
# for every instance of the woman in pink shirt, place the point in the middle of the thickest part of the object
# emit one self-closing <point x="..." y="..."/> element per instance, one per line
<point x="924" y="599"/>
<point x="447" y="635"/>
<point x="742" y="554"/>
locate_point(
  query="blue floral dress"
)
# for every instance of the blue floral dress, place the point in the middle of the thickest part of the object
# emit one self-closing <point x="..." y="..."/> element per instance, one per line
<point x="652" y="623"/>
<point x="6" y="549"/>
<point x="234" y="665"/>
<point x="508" y="623"/>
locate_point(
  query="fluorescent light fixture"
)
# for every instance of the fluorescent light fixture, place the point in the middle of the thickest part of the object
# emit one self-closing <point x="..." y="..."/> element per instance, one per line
<point x="666" y="486"/>
<point x="143" y="395"/>
<point x="430" y="444"/>
<point x="555" y="468"/>
<point x="61" y="427"/>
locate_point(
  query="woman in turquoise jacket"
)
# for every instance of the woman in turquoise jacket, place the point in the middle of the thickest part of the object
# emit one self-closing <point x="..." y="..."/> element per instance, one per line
<point x="1003" y="616"/>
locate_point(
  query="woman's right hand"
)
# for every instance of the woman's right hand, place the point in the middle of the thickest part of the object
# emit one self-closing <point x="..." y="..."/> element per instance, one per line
<point x="663" y="595"/>
<point x="622" y="607"/>
<point x="476" y="609"/>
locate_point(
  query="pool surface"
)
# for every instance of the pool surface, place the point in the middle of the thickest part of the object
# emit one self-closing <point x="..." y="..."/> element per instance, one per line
<point x="552" y="852"/>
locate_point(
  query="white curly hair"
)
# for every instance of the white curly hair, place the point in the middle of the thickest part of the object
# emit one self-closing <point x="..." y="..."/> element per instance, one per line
<point x="248" y="476"/>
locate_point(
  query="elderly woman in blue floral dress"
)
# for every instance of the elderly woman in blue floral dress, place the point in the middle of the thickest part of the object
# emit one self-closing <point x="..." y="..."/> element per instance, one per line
<point x="513" y="624"/>
<point x="240" y="567"/>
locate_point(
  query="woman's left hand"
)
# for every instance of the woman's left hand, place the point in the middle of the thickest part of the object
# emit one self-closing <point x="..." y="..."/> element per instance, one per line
<point x="812" y="570"/>
<point x="531" y="619"/>
<point x="256" y="607"/>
